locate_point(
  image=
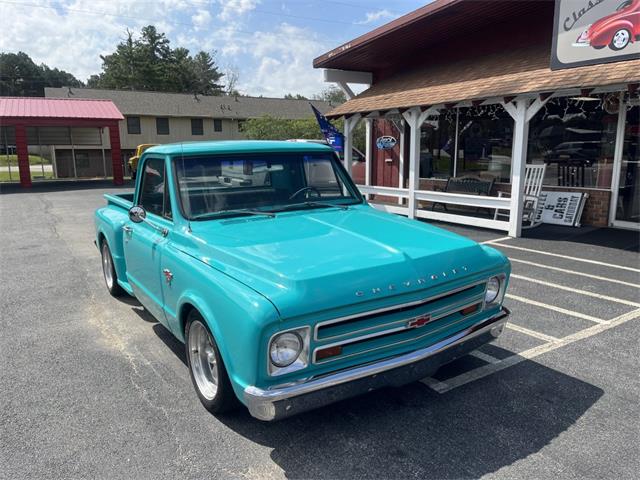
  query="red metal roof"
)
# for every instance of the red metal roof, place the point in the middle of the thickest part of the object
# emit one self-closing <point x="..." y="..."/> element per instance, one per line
<point x="59" y="108"/>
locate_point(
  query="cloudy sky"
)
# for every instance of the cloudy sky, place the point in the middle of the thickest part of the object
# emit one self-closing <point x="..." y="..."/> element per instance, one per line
<point x="270" y="43"/>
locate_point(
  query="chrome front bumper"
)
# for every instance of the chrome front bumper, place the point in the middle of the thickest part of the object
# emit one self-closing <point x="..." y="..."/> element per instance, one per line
<point x="280" y="402"/>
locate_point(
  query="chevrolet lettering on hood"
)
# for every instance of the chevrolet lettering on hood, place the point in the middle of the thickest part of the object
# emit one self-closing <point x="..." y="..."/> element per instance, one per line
<point x="288" y="289"/>
<point x="418" y="281"/>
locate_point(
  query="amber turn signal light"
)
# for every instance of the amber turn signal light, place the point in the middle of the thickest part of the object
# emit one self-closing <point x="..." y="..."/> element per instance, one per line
<point x="328" y="352"/>
<point x="470" y="310"/>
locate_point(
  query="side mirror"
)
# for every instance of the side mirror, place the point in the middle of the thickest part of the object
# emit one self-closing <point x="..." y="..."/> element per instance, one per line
<point x="137" y="214"/>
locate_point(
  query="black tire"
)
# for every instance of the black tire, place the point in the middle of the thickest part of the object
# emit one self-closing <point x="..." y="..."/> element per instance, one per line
<point x="109" y="272"/>
<point x="224" y="399"/>
<point x="621" y="47"/>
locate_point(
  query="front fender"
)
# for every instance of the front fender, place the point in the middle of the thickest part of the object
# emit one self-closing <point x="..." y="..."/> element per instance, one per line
<point x="236" y="315"/>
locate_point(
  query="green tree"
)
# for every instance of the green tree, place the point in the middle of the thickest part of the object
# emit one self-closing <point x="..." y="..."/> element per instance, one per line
<point x="149" y="63"/>
<point x="274" y="128"/>
<point x="332" y="94"/>
<point x="297" y="96"/>
<point x="21" y="77"/>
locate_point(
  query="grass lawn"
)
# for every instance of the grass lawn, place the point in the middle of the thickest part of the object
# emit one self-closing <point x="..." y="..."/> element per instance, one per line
<point x="33" y="160"/>
<point x="15" y="177"/>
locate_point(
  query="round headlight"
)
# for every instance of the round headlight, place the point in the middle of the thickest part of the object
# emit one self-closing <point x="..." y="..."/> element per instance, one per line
<point x="493" y="289"/>
<point x="285" y="348"/>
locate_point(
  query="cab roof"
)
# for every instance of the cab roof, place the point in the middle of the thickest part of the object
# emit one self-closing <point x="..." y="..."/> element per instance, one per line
<point x="237" y="146"/>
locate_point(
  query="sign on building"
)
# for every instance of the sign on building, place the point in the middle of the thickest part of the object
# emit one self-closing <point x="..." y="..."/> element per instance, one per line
<point x="587" y="32"/>
<point x="561" y="208"/>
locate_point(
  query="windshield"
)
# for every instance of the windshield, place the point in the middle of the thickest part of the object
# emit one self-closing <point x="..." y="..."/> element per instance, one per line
<point x="216" y="184"/>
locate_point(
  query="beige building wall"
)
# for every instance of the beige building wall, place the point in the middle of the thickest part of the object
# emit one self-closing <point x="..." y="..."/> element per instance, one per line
<point x="179" y="131"/>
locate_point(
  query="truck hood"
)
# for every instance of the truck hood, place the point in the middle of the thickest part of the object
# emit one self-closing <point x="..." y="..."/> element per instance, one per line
<point x="313" y="260"/>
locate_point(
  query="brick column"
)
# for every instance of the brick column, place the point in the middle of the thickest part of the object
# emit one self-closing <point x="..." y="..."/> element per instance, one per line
<point x="116" y="154"/>
<point x="23" y="156"/>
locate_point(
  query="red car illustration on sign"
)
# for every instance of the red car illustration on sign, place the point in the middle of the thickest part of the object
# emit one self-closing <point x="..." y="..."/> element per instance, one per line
<point x="616" y="30"/>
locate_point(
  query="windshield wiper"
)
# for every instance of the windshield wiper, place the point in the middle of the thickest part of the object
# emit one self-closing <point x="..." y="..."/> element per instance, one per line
<point x="294" y="206"/>
<point x="239" y="211"/>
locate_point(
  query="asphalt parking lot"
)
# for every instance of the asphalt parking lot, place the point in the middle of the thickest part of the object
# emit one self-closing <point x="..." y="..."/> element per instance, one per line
<point x="94" y="387"/>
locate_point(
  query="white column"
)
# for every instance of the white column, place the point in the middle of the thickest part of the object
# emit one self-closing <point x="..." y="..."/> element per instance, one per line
<point x="368" y="123"/>
<point x="522" y="113"/>
<point x="518" y="164"/>
<point x="415" y="117"/>
<point x="617" y="159"/>
<point x="349" y="126"/>
<point x="401" y="128"/>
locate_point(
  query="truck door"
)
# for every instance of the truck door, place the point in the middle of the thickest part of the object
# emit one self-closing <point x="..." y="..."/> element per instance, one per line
<point x="143" y="244"/>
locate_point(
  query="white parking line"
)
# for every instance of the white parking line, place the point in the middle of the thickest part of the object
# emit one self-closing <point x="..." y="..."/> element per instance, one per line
<point x="495" y="240"/>
<point x="594" y="262"/>
<point x="575" y="290"/>
<point x="573" y="272"/>
<point x="481" y="372"/>
<point x="555" y="309"/>
<point x="485" y="357"/>
<point x="532" y="333"/>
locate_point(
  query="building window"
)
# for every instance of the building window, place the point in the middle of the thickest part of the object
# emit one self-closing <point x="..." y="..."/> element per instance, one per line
<point x="575" y="138"/>
<point x="241" y="125"/>
<point x="196" y="126"/>
<point x="162" y="126"/>
<point x="133" y="126"/>
<point x="485" y="141"/>
<point x="484" y="138"/>
<point x="217" y="125"/>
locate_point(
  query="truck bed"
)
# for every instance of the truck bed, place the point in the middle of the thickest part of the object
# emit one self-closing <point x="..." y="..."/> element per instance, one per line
<point x="124" y="200"/>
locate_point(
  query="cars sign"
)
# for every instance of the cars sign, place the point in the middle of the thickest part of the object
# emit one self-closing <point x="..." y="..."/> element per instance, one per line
<point x="386" y="142"/>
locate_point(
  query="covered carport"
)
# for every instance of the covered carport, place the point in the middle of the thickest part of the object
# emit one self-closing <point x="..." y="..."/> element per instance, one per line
<point x="22" y="113"/>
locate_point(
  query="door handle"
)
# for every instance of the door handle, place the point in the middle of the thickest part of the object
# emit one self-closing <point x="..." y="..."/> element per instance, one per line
<point x="127" y="229"/>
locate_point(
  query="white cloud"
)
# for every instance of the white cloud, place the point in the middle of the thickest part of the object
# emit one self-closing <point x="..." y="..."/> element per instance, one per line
<point x="372" y="17"/>
<point x="284" y="62"/>
<point x="233" y="9"/>
<point x="201" y="19"/>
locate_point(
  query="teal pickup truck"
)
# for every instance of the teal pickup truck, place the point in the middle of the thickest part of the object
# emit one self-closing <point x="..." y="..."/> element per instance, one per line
<point x="288" y="290"/>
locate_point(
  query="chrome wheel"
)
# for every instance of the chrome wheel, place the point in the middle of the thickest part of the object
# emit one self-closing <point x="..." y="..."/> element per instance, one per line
<point x="620" y="39"/>
<point x="107" y="266"/>
<point x="203" y="361"/>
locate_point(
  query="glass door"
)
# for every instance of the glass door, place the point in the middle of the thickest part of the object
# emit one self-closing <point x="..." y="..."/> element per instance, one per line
<point x="627" y="206"/>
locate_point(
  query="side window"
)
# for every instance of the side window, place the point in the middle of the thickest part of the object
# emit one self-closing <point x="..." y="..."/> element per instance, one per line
<point x="133" y="126"/>
<point x="152" y="190"/>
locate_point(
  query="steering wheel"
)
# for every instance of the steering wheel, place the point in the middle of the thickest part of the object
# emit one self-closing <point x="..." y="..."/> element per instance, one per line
<point x="306" y="189"/>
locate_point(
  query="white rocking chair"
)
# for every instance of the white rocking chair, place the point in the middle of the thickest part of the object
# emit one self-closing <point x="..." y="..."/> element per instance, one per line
<point x="533" y="177"/>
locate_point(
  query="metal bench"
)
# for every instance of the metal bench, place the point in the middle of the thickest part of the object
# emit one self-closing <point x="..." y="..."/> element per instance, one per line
<point x="468" y="184"/>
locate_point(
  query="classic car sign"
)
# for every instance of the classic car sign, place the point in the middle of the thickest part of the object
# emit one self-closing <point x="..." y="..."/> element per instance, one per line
<point x="386" y="142"/>
<point x="561" y="208"/>
<point x="588" y="32"/>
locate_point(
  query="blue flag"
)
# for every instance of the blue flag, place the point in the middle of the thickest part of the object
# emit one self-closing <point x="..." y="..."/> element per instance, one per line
<point x="332" y="135"/>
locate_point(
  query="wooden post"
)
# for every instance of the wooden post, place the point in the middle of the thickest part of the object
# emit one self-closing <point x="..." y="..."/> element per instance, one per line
<point x="368" y="122"/>
<point x="349" y="126"/>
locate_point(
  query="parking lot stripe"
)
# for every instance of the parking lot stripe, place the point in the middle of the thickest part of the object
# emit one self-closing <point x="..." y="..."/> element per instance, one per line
<point x="532" y="333"/>
<point x="436" y="385"/>
<point x="484" y="357"/>
<point x="585" y="260"/>
<point x="555" y="309"/>
<point x="575" y="290"/>
<point x="573" y="272"/>
<point x="496" y="240"/>
<point x="530" y="354"/>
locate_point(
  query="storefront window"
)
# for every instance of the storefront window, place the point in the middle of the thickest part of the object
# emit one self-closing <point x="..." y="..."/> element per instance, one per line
<point x="575" y="138"/>
<point x="485" y="142"/>
<point x="485" y="135"/>
<point x="437" y="142"/>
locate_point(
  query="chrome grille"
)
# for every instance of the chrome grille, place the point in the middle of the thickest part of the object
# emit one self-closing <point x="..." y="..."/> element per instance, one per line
<point x="389" y="326"/>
